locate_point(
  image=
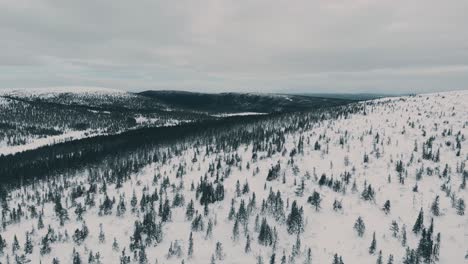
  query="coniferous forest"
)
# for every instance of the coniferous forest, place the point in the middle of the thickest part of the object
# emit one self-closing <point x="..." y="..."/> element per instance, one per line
<point x="376" y="181"/>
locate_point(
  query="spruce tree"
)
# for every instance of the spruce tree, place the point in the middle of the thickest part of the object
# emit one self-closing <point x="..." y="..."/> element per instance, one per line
<point x="315" y="200"/>
<point x="15" y="246"/>
<point x="28" y="245"/>
<point x="460" y="207"/>
<point x="386" y="207"/>
<point x="102" y="236"/>
<point x="308" y="259"/>
<point x="403" y="236"/>
<point x="359" y="226"/>
<point x="435" y="207"/>
<point x="247" y="248"/>
<point x="373" y="245"/>
<point x="3" y="245"/>
<point x="272" y="258"/>
<point x="294" y="221"/>
<point x="418" y="225"/>
<point x="379" y="258"/>
<point x="190" y="249"/>
<point x="390" y="259"/>
<point x="394" y="228"/>
<point x="115" y="245"/>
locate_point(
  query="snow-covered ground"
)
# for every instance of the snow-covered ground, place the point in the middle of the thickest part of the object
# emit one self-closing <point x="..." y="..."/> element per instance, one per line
<point x="238" y="114"/>
<point x="44" y="141"/>
<point x="364" y="146"/>
<point x="55" y="91"/>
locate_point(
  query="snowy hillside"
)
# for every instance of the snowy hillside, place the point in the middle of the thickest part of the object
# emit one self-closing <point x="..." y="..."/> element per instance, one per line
<point x="381" y="181"/>
<point x="30" y="118"/>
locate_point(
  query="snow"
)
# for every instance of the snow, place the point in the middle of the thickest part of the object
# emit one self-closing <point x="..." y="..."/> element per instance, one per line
<point x="53" y="91"/>
<point x="238" y="114"/>
<point x="326" y="232"/>
<point x="49" y="140"/>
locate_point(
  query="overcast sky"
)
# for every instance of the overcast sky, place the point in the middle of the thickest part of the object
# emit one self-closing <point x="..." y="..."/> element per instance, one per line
<point x="255" y="45"/>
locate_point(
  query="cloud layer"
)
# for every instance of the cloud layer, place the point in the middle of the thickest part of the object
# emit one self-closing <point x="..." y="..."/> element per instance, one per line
<point x="239" y="45"/>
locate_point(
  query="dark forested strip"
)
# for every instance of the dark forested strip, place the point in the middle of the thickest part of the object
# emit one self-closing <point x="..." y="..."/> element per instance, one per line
<point x="64" y="158"/>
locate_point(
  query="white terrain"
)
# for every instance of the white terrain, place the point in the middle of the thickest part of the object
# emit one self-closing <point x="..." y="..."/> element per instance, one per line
<point x="320" y="188"/>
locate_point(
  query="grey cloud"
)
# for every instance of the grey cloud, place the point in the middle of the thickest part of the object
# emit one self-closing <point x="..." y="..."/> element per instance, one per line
<point x="246" y="45"/>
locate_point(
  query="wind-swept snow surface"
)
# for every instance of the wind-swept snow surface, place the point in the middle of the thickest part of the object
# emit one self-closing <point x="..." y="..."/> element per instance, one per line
<point x="292" y="196"/>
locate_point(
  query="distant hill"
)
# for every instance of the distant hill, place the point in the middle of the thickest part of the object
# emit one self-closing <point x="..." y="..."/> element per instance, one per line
<point x="241" y="102"/>
<point x="30" y="118"/>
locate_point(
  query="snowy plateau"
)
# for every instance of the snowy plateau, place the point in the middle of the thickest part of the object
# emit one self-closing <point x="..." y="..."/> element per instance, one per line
<point x="379" y="181"/>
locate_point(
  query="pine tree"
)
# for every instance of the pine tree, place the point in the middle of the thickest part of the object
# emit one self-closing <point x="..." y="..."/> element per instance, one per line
<point x="359" y="226"/>
<point x="190" y="249"/>
<point x="337" y="205"/>
<point x="394" y="228"/>
<point x="219" y="251"/>
<point x="283" y="258"/>
<point x="3" y="245"/>
<point x="308" y="259"/>
<point x="259" y="260"/>
<point x="265" y="236"/>
<point x="76" y="257"/>
<point x="379" y="258"/>
<point x="425" y="245"/>
<point x="40" y="222"/>
<point x="102" y="236"/>
<point x="232" y="211"/>
<point x="296" y="250"/>
<point x="386" y="207"/>
<point x="28" y="245"/>
<point x="419" y="222"/>
<point x="337" y="259"/>
<point x="124" y="259"/>
<point x="460" y="207"/>
<point x="247" y="245"/>
<point x="435" y="206"/>
<point x="142" y="258"/>
<point x="373" y="245"/>
<point x="45" y="246"/>
<point x="315" y="200"/>
<point x="189" y="212"/>
<point x="390" y="259"/>
<point x="272" y="258"/>
<point x="209" y="229"/>
<point x="436" y="248"/>
<point x="403" y="236"/>
<point x="235" y="230"/>
<point x="115" y="245"/>
<point x="15" y="246"/>
<point x="294" y="220"/>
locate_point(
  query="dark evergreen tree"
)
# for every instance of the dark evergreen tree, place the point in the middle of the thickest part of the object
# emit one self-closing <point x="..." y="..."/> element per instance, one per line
<point x="394" y="228"/>
<point x="373" y="245"/>
<point x="460" y="207"/>
<point x="386" y="207"/>
<point x="28" y="245"/>
<point x="247" y="248"/>
<point x="15" y="245"/>
<point x="435" y="207"/>
<point x="315" y="200"/>
<point x="359" y="226"/>
<point x="295" y="220"/>
<point x="189" y="212"/>
<point x="265" y="236"/>
<point x="3" y="245"/>
<point x="379" y="258"/>
<point x="418" y="225"/>
<point x="190" y="249"/>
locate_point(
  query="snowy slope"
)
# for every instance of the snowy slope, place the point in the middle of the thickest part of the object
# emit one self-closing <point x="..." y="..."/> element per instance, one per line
<point x="368" y="146"/>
